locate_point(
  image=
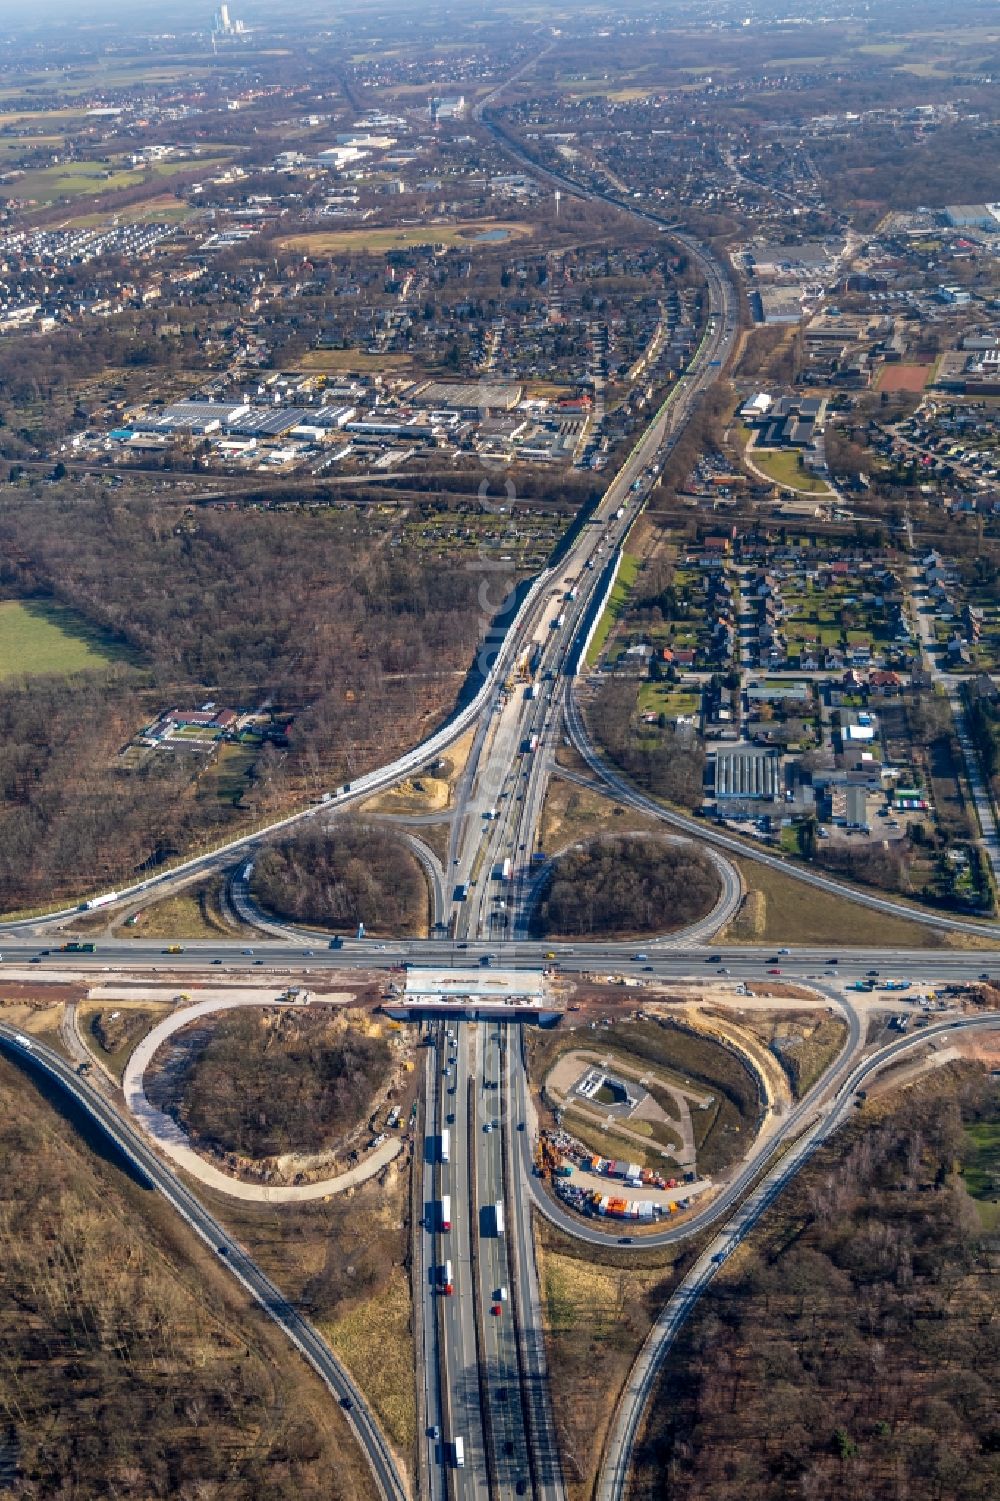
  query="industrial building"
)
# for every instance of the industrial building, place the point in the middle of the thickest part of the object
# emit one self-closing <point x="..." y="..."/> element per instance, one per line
<point x="748" y="775"/>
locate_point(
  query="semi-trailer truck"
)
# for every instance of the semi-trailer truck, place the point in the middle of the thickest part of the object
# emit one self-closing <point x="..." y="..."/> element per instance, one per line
<point x="446" y="1145"/>
<point x="446" y="1211"/>
<point x="503" y="870"/>
<point x="100" y="901"/>
<point x="498" y="1216"/>
<point x="458" y="1448"/>
<point x="447" y="1281"/>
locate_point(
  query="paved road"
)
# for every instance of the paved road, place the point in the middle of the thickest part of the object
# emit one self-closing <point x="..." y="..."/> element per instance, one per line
<point x="950" y="684"/>
<point x="706" y="831"/>
<point x="613" y="1478"/>
<point x="164" y="1131"/>
<point x="34" y="1055"/>
<point x="770" y="1142"/>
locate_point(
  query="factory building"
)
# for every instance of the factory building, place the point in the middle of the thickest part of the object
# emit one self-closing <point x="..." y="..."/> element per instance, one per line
<point x="748" y="775"/>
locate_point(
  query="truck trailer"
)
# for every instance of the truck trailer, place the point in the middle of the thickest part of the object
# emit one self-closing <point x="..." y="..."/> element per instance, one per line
<point x="100" y="901"/>
<point x="446" y="1211"/>
<point x="446" y="1145"/>
<point x="498" y="1216"/>
<point x="447" y="1280"/>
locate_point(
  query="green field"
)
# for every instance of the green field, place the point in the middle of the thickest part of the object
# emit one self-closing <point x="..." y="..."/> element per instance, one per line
<point x="785" y="468"/>
<point x="981" y="1168"/>
<point x="376" y="241"/>
<point x="627" y="575"/>
<point x="77" y="179"/>
<point x="37" y="637"/>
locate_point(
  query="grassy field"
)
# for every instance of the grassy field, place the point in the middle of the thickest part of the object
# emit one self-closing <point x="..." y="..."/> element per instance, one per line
<point x="792" y="912"/>
<point x="354" y="360"/>
<point x="376" y="241"/>
<point x="114" y="1029"/>
<point x="38" y="637"/>
<point x="571" y="812"/>
<point x="78" y="179"/>
<point x="786" y="468"/>
<point x="595" y="1317"/>
<point x="627" y="575"/>
<point x="689" y="1058"/>
<point x="374" y="1340"/>
<point x="192" y="913"/>
<point x="165" y="209"/>
<point x="981" y="1170"/>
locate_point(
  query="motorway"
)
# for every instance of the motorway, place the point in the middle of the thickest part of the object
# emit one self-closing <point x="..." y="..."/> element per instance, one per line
<point x="36" y="1057"/>
<point x="613" y="1478"/>
<point x="469" y="1355"/>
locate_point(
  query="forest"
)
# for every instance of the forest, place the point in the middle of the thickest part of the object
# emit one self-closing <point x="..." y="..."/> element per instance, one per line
<point x="615" y="887"/>
<point x="345" y="875"/>
<point x="264" y="1085"/>
<point x="667" y="761"/>
<point x="131" y="1367"/>
<point x="851" y="1353"/>
<point x="307" y="610"/>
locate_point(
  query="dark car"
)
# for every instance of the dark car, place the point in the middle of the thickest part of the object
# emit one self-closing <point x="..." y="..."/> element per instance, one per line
<point x="834" y="960"/>
<point x="521" y="1487"/>
<point x="624" y="1240"/>
<point x="347" y="1404"/>
<point x="714" y="959"/>
<point x="223" y="1250"/>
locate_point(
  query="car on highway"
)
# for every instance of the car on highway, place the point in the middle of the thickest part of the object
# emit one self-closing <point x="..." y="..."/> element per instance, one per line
<point x="347" y="1404"/>
<point x="784" y="951"/>
<point x="488" y="1127"/>
<point x="714" y="959"/>
<point x="833" y="960"/>
<point x="871" y="971"/>
<point x="496" y="1310"/>
<point x="639" y="958"/>
<point x="247" y="951"/>
<point x="774" y="971"/>
<point x="435" y="1431"/>
<point x="723" y="970"/>
<point x="624" y="1240"/>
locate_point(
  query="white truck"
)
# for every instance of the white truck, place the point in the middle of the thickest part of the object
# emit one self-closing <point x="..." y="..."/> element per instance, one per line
<point x="446" y="1145"/>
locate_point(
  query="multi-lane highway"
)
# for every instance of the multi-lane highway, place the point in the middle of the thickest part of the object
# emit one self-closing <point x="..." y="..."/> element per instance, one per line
<point x="613" y="1478"/>
<point x="36" y="1056"/>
